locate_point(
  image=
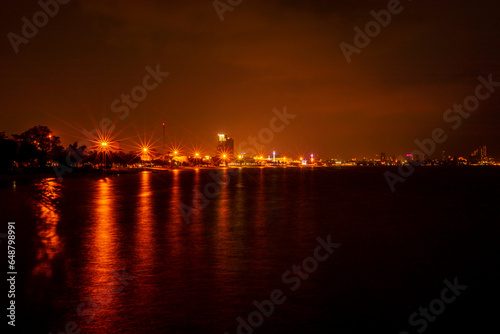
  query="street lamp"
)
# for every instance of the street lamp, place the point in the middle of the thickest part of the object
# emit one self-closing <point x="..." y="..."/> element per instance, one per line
<point x="172" y="161"/>
<point x="104" y="148"/>
<point x="163" y="124"/>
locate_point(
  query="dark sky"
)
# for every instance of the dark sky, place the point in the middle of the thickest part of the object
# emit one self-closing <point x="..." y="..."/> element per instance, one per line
<point x="227" y="76"/>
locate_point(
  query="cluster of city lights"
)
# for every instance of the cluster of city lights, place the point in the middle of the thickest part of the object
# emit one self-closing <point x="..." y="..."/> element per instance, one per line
<point x="105" y="144"/>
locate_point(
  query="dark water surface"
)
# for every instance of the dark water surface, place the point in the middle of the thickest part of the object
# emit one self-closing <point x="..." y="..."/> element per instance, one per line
<point x="74" y="238"/>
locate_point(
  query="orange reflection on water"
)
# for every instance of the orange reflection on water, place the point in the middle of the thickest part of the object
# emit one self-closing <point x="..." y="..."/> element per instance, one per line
<point x="228" y="246"/>
<point x="103" y="250"/>
<point x="144" y="235"/>
<point x="47" y="194"/>
<point x="102" y="246"/>
<point x="193" y="241"/>
<point x="175" y="219"/>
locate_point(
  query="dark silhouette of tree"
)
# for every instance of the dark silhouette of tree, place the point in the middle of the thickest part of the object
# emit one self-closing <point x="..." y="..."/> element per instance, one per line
<point x="73" y="155"/>
<point x="8" y="150"/>
<point x="47" y="146"/>
<point x="28" y="154"/>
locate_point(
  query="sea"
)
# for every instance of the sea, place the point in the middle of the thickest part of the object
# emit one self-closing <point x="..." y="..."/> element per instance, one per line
<point x="254" y="250"/>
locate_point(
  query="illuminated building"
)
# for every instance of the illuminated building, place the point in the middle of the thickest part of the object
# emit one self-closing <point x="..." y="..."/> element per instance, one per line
<point x="225" y="146"/>
<point x="479" y="155"/>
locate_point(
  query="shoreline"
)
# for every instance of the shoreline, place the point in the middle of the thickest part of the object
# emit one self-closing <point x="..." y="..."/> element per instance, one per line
<point x="48" y="173"/>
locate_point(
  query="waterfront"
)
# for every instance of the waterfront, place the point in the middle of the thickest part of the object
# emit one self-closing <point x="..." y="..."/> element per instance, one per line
<point x="395" y="249"/>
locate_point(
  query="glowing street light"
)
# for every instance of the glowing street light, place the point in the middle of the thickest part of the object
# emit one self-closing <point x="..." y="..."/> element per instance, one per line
<point x="224" y="156"/>
<point x="104" y="149"/>
<point x="196" y="159"/>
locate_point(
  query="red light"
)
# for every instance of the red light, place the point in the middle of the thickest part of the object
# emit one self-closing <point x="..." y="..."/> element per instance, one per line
<point x="163" y="124"/>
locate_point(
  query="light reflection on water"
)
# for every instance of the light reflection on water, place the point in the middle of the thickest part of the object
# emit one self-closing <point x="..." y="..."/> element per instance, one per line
<point x="134" y="222"/>
<point x="47" y="193"/>
<point x="174" y="218"/>
<point x="144" y="232"/>
<point x="200" y="277"/>
<point x="101" y="260"/>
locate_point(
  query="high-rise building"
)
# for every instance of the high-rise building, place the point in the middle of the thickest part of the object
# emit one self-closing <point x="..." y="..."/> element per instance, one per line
<point x="382" y="156"/>
<point x="225" y="145"/>
<point x="483" y="152"/>
<point x="479" y="154"/>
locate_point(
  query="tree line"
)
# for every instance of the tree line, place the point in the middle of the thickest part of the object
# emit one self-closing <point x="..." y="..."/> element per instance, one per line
<point x="38" y="147"/>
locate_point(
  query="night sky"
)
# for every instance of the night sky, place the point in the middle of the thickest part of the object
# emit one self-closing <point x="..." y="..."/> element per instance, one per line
<point x="228" y="76"/>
